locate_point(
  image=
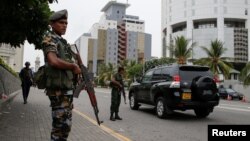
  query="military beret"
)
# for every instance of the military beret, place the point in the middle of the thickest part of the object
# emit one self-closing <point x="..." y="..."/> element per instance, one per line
<point x="62" y="14"/>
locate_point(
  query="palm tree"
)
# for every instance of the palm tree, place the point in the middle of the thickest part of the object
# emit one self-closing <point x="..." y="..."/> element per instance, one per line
<point x="245" y="75"/>
<point x="215" y="61"/>
<point x="106" y="72"/>
<point x="181" y="50"/>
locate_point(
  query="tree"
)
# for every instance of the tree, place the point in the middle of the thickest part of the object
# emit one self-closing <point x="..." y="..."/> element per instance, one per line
<point x="22" y="20"/>
<point x="181" y="50"/>
<point x="106" y="72"/>
<point x="134" y="71"/>
<point x="215" y="61"/>
<point x="245" y="75"/>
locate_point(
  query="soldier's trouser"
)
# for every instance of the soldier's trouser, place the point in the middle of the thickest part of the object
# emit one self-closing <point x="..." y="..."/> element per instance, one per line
<point x="115" y="101"/>
<point x="61" y="116"/>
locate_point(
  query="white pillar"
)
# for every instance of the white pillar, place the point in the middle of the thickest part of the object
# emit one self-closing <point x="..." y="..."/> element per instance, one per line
<point x="220" y="21"/>
<point x="169" y="32"/>
<point x="190" y="27"/>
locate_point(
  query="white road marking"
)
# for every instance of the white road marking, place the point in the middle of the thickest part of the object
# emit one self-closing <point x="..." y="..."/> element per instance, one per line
<point x="231" y="105"/>
<point x="236" y="109"/>
<point x="103" y="127"/>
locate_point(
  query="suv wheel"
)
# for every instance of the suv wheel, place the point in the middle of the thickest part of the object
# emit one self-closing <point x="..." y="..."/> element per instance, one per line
<point x="205" y="88"/>
<point x="162" y="110"/>
<point x="133" y="102"/>
<point x="202" y="112"/>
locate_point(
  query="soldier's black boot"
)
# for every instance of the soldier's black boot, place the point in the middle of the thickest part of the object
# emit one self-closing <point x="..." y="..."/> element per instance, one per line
<point x="117" y="116"/>
<point x="111" y="117"/>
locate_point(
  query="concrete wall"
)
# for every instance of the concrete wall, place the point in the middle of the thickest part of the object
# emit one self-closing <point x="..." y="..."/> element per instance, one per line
<point x="8" y="83"/>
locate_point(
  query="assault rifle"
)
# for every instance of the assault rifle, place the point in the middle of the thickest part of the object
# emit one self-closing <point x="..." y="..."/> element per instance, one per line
<point x="86" y="84"/>
<point x="121" y="90"/>
<point x="123" y="93"/>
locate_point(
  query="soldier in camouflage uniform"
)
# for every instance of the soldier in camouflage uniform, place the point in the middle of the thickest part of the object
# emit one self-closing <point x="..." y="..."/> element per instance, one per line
<point x="117" y="88"/>
<point x="59" y="71"/>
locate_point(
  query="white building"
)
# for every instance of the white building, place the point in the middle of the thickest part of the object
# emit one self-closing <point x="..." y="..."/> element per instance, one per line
<point x="202" y="21"/>
<point x="12" y="56"/>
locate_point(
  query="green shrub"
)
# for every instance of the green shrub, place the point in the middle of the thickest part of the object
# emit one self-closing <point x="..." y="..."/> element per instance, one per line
<point x="7" y="67"/>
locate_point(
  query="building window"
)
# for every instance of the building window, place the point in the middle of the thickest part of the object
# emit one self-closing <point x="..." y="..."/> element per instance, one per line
<point x="193" y="12"/>
<point x="185" y="4"/>
<point x="246" y="1"/>
<point x="193" y="2"/>
<point x="246" y="12"/>
<point x="170" y="1"/>
<point x="170" y="9"/>
<point x="185" y="13"/>
<point x="118" y="12"/>
<point x="225" y="10"/>
<point x="235" y="76"/>
<point x="215" y="10"/>
<point x="215" y="1"/>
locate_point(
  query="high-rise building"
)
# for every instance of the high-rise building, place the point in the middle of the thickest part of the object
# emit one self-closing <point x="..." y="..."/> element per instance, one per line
<point x="203" y="21"/>
<point x="12" y="56"/>
<point x="116" y="37"/>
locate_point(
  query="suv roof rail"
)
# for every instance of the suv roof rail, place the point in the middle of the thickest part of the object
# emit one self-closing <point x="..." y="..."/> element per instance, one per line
<point x="164" y="65"/>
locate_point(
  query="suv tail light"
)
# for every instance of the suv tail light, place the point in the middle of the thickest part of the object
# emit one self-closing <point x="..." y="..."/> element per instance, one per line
<point x="176" y="82"/>
<point x="216" y="79"/>
<point x="177" y="78"/>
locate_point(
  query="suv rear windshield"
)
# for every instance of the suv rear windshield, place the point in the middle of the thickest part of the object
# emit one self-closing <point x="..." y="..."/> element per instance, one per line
<point x="188" y="73"/>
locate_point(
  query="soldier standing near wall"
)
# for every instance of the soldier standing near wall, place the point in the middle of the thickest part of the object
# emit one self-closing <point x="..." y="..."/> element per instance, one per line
<point x="26" y="77"/>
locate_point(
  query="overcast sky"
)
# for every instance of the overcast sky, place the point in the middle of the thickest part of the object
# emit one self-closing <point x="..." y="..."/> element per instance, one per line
<point x="83" y="14"/>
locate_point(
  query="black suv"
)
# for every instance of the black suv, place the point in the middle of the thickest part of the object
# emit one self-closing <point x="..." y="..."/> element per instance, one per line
<point x="176" y="87"/>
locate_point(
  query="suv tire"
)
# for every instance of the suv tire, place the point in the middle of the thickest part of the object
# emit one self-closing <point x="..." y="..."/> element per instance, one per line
<point x="162" y="109"/>
<point x="202" y="112"/>
<point x="201" y="85"/>
<point x="133" y="102"/>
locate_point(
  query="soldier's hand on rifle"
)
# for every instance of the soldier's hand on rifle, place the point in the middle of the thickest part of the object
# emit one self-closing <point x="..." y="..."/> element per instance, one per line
<point x="76" y="69"/>
<point x="120" y="85"/>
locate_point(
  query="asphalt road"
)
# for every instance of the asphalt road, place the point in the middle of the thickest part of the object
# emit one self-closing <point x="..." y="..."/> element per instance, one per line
<point x="143" y="125"/>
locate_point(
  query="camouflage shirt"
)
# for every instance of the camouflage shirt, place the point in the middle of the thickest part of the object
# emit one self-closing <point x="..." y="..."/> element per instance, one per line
<point x="118" y="78"/>
<point x="55" y="43"/>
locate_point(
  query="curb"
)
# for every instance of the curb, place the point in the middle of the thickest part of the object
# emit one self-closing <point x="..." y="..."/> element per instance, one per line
<point x="9" y="99"/>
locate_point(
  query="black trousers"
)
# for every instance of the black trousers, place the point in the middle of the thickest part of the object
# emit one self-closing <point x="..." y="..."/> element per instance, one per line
<point x="26" y="90"/>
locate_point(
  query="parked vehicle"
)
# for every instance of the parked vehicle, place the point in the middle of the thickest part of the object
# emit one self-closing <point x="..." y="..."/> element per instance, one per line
<point x="225" y="92"/>
<point x="176" y="87"/>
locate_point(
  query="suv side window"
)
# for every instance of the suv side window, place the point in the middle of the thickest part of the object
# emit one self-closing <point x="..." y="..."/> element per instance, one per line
<point x="156" y="75"/>
<point x="147" y="76"/>
<point x="166" y="74"/>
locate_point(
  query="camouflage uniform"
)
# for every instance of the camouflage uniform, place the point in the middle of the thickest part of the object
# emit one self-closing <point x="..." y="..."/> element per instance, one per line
<point x="116" y="95"/>
<point x="61" y="100"/>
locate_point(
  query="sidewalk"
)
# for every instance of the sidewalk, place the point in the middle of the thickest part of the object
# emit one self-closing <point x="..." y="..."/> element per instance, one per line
<point x="32" y="122"/>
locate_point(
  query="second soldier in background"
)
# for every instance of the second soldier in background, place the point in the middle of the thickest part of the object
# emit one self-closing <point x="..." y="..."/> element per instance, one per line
<point x="117" y="89"/>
